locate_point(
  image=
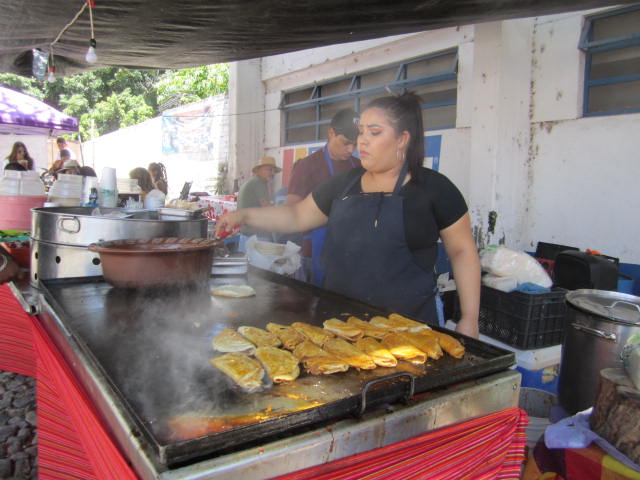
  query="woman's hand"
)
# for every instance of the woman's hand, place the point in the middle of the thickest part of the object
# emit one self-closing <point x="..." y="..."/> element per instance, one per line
<point x="229" y="222"/>
<point x="468" y="328"/>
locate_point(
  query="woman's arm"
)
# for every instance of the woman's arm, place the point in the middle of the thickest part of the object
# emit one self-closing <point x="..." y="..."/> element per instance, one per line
<point x="461" y="249"/>
<point x="298" y="217"/>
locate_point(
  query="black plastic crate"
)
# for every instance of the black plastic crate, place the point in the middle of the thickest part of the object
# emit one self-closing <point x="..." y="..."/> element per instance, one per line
<point x="522" y="320"/>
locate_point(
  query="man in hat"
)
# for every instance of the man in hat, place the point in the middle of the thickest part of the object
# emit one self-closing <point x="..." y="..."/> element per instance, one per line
<point x="258" y="192"/>
<point x="308" y="172"/>
<point x="70" y="167"/>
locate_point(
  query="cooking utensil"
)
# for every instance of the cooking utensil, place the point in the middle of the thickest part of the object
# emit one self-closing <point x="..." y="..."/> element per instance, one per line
<point x="598" y="326"/>
<point x="154" y="347"/>
<point x="182" y="212"/>
<point x="155" y="262"/>
<point x="60" y="236"/>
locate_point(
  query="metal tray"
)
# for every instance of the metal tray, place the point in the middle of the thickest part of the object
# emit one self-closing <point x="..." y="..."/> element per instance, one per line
<point x="153" y="349"/>
<point x="180" y="212"/>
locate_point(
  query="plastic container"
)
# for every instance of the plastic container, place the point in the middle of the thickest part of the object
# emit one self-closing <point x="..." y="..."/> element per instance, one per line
<point x="538" y="405"/>
<point x="21" y="183"/>
<point x="15" y="210"/>
<point x="540" y="368"/>
<point x="522" y="320"/>
<point x="67" y="190"/>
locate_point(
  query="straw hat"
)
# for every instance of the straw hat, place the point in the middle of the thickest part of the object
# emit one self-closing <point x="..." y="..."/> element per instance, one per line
<point x="267" y="161"/>
<point x="69" y="164"/>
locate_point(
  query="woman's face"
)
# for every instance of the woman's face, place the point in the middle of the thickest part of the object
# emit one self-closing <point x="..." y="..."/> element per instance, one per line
<point x="378" y="142"/>
<point x="20" y="153"/>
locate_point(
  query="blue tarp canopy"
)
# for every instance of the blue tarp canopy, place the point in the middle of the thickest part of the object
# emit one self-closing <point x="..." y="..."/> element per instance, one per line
<point x="20" y="113"/>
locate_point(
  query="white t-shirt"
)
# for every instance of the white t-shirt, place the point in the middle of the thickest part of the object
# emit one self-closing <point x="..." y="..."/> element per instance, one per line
<point x="72" y="155"/>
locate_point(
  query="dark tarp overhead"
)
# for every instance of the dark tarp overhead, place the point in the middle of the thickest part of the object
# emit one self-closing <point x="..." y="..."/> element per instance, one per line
<point x="187" y="33"/>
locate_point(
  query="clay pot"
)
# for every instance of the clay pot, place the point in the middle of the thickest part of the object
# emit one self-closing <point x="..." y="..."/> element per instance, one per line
<point x="156" y="262"/>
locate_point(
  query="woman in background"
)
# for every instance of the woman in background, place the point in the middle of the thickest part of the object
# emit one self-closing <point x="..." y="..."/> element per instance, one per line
<point x="144" y="179"/>
<point x="20" y="154"/>
<point x="158" y="176"/>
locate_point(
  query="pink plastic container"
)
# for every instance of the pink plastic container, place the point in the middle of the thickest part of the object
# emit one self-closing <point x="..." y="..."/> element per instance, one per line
<point x="15" y="211"/>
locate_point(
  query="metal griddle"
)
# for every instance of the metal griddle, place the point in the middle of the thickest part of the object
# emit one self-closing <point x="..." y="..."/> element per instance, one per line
<point x="152" y="348"/>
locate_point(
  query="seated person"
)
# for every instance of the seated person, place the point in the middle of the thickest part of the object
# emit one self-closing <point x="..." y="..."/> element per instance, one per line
<point x="15" y="166"/>
<point x="144" y="179"/>
<point x="65" y="156"/>
<point x="87" y="172"/>
<point x="70" y="167"/>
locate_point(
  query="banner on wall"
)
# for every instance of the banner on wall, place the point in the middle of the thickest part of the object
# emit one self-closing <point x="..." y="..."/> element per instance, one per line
<point x="188" y="132"/>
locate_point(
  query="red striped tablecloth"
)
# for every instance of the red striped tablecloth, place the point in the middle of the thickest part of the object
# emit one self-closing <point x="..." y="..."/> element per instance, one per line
<point x="73" y="444"/>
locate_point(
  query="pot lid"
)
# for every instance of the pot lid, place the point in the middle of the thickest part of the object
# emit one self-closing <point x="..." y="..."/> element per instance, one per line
<point x="618" y="307"/>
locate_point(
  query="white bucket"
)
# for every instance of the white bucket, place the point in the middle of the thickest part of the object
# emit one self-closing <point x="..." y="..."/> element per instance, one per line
<point x="537" y="403"/>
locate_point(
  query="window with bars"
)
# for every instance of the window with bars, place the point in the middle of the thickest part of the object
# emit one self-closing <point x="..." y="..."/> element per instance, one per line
<point x="308" y="111"/>
<point x="611" y="42"/>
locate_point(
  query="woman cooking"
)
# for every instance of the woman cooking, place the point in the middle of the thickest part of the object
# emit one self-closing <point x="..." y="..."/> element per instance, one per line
<point x="384" y="220"/>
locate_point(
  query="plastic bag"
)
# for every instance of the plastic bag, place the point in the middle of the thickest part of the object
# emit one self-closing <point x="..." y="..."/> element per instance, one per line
<point x="276" y="257"/>
<point x="505" y="262"/>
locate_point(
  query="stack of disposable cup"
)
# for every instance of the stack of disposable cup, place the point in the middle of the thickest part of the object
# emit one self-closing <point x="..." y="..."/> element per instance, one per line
<point x="108" y="188"/>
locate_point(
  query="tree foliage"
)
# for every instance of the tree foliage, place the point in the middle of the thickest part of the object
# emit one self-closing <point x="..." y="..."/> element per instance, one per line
<point x="107" y="99"/>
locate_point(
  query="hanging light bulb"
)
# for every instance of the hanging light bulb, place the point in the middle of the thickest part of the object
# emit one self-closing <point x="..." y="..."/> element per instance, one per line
<point x="91" y="56"/>
<point x="52" y="74"/>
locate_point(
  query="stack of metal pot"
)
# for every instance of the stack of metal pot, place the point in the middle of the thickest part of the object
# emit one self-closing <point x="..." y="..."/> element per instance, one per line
<point x="599" y="323"/>
<point x="60" y="236"/>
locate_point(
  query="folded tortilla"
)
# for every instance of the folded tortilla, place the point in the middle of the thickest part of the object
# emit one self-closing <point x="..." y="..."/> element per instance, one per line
<point x="289" y="336"/>
<point x="317" y="361"/>
<point x="281" y="365"/>
<point x="245" y="371"/>
<point x="448" y="343"/>
<point x="343" y="329"/>
<point x="259" y="337"/>
<point x="411" y="325"/>
<point x="403" y="349"/>
<point x="425" y="342"/>
<point x="380" y="355"/>
<point x="229" y="340"/>
<point x="389" y="325"/>
<point x="350" y="354"/>
<point x="367" y="328"/>
<point x="316" y="334"/>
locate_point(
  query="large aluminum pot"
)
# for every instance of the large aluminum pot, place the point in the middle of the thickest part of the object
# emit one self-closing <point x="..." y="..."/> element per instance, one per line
<point x="60" y="236"/>
<point x="598" y="325"/>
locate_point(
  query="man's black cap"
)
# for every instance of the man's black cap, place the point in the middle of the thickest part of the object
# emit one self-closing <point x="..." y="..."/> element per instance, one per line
<point x="345" y="122"/>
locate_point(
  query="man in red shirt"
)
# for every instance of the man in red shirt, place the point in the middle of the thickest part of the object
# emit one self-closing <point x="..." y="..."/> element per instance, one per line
<point x="310" y="171"/>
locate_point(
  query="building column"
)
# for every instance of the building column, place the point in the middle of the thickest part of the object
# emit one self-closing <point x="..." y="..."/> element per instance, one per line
<point x="246" y="119"/>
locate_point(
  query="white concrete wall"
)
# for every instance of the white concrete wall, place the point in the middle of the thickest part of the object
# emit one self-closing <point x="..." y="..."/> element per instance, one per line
<point x="247" y="120"/>
<point x="520" y="147"/>
<point x="141" y="144"/>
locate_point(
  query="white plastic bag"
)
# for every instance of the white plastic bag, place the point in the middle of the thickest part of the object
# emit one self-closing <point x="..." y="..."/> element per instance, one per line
<point x="282" y="259"/>
<point x="504" y="262"/>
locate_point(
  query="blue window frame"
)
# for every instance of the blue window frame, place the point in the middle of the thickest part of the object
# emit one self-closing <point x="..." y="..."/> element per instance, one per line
<point x="611" y="42"/>
<point x="308" y="110"/>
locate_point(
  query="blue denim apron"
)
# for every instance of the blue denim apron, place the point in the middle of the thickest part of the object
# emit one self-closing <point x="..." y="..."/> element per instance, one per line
<point x="318" y="235"/>
<point x="366" y="255"/>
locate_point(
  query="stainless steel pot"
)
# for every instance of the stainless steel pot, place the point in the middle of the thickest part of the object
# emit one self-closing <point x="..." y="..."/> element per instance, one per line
<point x="60" y="236"/>
<point x="598" y="325"/>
